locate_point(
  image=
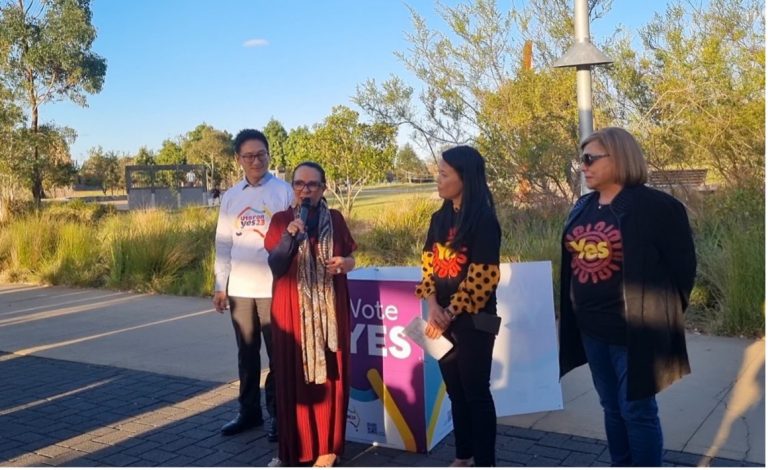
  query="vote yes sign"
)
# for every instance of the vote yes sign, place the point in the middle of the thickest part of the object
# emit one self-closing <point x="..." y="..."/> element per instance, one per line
<point x="397" y="398"/>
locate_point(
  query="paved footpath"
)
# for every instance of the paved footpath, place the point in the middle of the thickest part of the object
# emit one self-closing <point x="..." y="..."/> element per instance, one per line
<point x="84" y="409"/>
<point x="63" y="413"/>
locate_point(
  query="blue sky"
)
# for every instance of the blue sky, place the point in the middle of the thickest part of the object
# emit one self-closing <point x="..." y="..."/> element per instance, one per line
<point x="173" y="64"/>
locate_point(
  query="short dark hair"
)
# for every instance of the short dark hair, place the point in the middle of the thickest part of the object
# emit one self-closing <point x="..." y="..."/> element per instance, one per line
<point x="249" y="134"/>
<point x="313" y="165"/>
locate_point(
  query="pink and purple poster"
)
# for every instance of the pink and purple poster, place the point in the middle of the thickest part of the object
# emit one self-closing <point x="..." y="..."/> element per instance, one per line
<point x="391" y="402"/>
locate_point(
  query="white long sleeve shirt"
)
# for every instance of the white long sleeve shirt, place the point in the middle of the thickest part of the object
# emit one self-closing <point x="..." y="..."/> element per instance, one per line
<point x="241" y="267"/>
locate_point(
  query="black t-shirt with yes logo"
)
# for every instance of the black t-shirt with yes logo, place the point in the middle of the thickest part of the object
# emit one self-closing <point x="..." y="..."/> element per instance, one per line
<point x="594" y="242"/>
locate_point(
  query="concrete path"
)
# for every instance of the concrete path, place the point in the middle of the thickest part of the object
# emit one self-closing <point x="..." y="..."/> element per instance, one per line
<point x="719" y="409"/>
<point x="714" y="416"/>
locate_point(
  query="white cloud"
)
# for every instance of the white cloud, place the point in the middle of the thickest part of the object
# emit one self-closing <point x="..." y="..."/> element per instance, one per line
<point x="255" y="43"/>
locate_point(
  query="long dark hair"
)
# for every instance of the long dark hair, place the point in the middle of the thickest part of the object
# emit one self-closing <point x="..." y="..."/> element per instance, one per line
<point x="476" y="197"/>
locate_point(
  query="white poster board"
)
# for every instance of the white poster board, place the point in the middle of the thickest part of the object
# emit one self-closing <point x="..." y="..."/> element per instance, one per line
<point x="525" y="374"/>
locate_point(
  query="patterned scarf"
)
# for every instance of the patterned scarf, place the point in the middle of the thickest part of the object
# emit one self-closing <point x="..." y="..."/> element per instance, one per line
<point x="317" y="299"/>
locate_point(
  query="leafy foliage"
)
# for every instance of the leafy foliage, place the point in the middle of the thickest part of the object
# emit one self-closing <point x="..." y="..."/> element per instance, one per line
<point x="298" y="147"/>
<point x="171" y="153"/>
<point x="102" y="168"/>
<point x="277" y="137"/>
<point x="352" y="153"/>
<point x="211" y="147"/>
<point x="408" y="165"/>
<point x="475" y="91"/>
<point x="144" y="157"/>
<point x="696" y="93"/>
<point x="45" y="57"/>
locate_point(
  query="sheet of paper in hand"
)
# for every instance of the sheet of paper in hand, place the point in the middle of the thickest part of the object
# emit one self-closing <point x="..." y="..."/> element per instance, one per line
<point x="436" y="348"/>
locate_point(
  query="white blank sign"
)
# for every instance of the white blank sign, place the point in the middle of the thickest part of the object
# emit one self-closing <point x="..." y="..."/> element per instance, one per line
<point x="525" y="373"/>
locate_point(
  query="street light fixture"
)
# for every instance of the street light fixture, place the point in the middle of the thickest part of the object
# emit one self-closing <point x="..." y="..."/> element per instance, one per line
<point x="583" y="55"/>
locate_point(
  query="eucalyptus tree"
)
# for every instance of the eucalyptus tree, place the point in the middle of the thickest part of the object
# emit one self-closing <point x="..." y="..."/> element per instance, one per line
<point x="476" y="89"/>
<point x="46" y="56"/>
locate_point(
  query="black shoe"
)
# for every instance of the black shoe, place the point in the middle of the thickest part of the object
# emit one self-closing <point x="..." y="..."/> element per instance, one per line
<point x="240" y="424"/>
<point x="272" y="433"/>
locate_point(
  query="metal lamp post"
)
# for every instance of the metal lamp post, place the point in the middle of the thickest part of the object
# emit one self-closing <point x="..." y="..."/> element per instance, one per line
<point x="583" y="55"/>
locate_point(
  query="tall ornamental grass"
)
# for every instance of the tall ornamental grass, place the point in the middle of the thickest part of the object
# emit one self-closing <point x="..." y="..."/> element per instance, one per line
<point x="76" y="258"/>
<point x="26" y="245"/>
<point x="81" y="244"/>
<point x="396" y="236"/>
<point x="730" y="243"/>
<point x="173" y="252"/>
<point x="154" y="251"/>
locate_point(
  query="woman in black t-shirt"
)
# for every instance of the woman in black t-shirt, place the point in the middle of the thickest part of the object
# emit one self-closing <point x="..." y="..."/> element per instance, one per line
<point x="460" y="273"/>
<point x="628" y="267"/>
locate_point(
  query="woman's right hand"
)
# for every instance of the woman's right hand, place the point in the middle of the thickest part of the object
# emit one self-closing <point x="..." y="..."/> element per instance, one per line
<point x="432" y="331"/>
<point x="295" y="227"/>
<point x="438" y="321"/>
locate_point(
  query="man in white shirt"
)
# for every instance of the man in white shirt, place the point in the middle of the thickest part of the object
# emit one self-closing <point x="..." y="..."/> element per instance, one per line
<point x="243" y="278"/>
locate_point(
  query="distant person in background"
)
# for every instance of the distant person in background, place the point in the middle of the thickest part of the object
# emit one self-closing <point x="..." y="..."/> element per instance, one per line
<point x="191" y="178"/>
<point x="310" y="253"/>
<point x="242" y="275"/>
<point x="627" y="271"/>
<point x="215" y="196"/>
<point x="460" y="273"/>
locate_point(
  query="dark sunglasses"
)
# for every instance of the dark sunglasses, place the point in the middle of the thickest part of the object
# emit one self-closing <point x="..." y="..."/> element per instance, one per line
<point x="588" y="158"/>
<point x="299" y="185"/>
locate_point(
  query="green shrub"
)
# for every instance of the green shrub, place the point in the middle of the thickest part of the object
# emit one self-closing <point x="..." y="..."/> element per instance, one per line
<point x="198" y="281"/>
<point x="199" y="224"/>
<point x="530" y="235"/>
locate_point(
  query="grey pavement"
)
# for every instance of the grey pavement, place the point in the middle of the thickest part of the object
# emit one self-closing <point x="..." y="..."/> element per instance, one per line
<point x="91" y="377"/>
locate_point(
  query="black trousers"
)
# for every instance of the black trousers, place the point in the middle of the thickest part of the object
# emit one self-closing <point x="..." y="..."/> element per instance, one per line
<point x="251" y="320"/>
<point x="466" y="371"/>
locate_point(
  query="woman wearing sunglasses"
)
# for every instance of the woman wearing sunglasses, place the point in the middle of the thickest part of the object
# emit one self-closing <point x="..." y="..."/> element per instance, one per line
<point x="310" y="253"/>
<point x="628" y="267"/>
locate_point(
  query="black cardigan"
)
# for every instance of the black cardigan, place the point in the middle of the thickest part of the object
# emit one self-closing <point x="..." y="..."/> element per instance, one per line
<point x="659" y="271"/>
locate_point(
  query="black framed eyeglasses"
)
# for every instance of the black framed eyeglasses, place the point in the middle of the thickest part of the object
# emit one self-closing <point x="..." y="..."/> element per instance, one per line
<point x="590" y="158"/>
<point x="299" y="185"/>
<point x="250" y="157"/>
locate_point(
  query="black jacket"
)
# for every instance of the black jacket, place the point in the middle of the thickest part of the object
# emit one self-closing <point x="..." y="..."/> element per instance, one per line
<point x="659" y="270"/>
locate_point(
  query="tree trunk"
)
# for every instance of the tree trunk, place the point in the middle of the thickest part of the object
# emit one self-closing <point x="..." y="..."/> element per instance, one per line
<point x="38" y="193"/>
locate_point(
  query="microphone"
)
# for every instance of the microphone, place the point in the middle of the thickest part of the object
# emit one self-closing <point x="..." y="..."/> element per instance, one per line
<point x="303" y="215"/>
<point x="304" y="210"/>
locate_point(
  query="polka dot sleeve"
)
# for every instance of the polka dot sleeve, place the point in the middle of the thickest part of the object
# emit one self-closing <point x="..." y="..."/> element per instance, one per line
<point x="475" y="290"/>
<point x="427" y="285"/>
